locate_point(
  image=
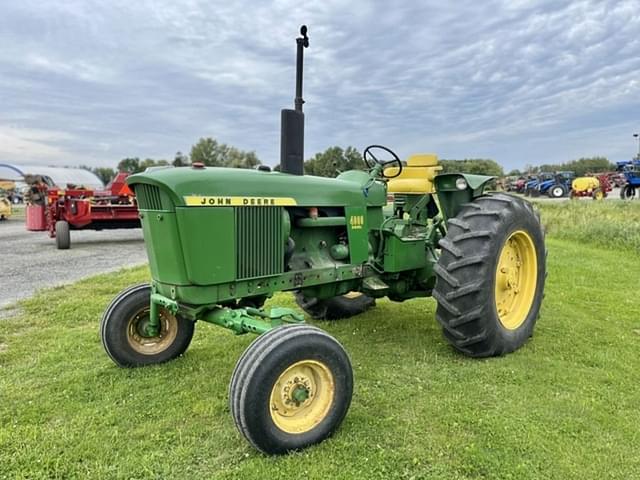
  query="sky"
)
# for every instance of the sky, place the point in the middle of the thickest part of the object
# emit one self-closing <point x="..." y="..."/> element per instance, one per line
<point x="521" y="82"/>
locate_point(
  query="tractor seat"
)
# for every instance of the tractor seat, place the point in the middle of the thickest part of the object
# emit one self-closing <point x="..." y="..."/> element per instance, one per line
<point x="416" y="177"/>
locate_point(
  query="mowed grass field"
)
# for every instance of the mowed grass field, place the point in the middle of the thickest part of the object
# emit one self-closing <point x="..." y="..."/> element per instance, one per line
<point x="612" y="224"/>
<point x="565" y="406"/>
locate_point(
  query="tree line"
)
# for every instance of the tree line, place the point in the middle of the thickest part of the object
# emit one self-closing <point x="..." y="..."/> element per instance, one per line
<point x="206" y="150"/>
<point x="581" y="166"/>
<point x="335" y="160"/>
<point x="332" y="161"/>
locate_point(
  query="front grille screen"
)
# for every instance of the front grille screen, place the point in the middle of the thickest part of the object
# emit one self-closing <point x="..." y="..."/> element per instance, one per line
<point x="148" y="197"/>
<point x="259" y="242"/>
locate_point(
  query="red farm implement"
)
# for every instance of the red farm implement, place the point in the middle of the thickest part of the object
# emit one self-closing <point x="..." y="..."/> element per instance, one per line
<point x="59" y="210"/>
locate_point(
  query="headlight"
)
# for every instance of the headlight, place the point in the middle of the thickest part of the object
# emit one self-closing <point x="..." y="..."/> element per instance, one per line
<point x="461" y="184"/>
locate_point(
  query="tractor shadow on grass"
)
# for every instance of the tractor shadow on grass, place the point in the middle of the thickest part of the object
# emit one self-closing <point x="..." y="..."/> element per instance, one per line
<point x="390" y="327"/>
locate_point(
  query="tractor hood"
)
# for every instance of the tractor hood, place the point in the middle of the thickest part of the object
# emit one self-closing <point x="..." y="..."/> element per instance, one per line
<point x="209" y="186"/>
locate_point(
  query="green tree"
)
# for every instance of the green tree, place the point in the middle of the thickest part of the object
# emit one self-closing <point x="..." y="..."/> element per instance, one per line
<point x="209" y="152"/>
<point x="150" y="162"/>
<point x="238" y="159"/>
<point x="478" y="166"/>
<point x="206" y="151"/>
<point x="180" y="160"/>
<point x="105" y="174"/>
<point x="581" y="166"/>
<point x="333" y="161"/>
<point x="135" y="165"/>
<point x="129" y="164"/>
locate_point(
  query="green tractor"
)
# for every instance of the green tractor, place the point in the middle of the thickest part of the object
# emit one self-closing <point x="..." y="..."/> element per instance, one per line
<point x="221" y="241"/>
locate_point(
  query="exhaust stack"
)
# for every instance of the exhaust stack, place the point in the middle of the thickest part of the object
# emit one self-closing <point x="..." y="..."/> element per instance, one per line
<point x="292" y="121"/>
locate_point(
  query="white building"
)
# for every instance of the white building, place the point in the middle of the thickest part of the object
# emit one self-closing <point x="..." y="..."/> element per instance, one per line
<point x="57" y="175"/>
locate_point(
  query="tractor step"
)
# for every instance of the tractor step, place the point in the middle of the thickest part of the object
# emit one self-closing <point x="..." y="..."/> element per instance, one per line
<point x="374" y="284"/>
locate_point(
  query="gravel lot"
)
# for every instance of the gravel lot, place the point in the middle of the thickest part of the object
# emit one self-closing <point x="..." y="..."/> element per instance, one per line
<point x="30" y="260"/>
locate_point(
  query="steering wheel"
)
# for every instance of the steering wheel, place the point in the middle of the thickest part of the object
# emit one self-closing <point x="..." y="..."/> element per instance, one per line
<point x="371" y="160"/>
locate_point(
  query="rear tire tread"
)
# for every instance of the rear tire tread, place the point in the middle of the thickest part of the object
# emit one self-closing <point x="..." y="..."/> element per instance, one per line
<point x="463" y="306"/>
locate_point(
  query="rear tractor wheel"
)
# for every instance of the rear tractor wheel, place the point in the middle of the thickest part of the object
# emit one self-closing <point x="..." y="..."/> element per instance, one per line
<point x="336" y="308"/>
<point x="290" y="389"/>
<point x="490" y="276"/>
<point x="123" y="330"/>
<point x="627" y="192"/>
<point x="557" y="191"/>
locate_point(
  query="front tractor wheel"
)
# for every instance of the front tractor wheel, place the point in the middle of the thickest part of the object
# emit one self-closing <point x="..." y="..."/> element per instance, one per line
<point x="490" y="276"/>
<point x="336" y="308"/>
<point x="290" y="389"/>
<point x="124" y="336"/>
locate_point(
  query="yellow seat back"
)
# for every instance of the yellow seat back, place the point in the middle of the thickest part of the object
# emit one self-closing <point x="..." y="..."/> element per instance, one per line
<point x="416" y="177"/>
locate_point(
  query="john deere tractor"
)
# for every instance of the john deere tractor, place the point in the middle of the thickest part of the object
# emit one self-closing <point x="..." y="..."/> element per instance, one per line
<point x="221" y="241"/>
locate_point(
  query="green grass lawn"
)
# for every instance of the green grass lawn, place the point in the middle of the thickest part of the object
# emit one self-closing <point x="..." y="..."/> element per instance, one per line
<point x="612" y="223"/>
<point x="565" y="406"/>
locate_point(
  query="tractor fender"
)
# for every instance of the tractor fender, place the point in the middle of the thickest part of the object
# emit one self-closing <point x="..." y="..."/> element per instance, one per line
<point x="452" y="193"/>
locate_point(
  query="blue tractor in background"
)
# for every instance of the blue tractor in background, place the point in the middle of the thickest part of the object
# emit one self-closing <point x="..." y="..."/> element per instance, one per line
<point x="533" y="181"/>
<point x="558" y="186"/>
<point x="631" y="171"/>
<point x="555" y="185"/>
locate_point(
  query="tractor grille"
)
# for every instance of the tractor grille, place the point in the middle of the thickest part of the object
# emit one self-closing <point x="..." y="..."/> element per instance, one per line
<point x="148" y="197"/>
<point x="259" y="243"/>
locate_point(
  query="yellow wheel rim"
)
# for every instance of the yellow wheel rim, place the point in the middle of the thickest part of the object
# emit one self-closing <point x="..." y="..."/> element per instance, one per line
<point x="598" y="195"/>
<point x="151" y="345"/>
<point x="302" y="396"/>
<point x="516" y="279"/>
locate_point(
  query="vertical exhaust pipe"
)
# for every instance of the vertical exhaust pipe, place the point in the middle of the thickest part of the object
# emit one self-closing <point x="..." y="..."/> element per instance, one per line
<point x="292" y="121"/>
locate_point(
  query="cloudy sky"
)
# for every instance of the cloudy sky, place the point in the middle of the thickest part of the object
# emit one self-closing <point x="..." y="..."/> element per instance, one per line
<point x="522" y="82"/>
